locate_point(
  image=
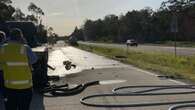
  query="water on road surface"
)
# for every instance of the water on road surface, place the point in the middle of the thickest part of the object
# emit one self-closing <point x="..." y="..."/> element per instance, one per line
<point x="109" y="74"/>
<point x="82" y="59"/>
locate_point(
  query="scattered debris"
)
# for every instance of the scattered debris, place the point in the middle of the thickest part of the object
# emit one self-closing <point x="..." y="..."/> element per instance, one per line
<point x="53" y="78"/>
<point x="73" y="65"/>
<point x="68" y="65"/>
<point x="50" y="67"/>
<point x="100" y="73"/>
<point x="166" y="77"/>
<point x="120" y="56"/>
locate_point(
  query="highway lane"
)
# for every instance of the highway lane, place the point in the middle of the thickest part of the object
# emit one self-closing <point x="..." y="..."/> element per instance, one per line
<point x="180" y="50"/>
<point x="107" y="69"/>
<point x="82" y="59"/>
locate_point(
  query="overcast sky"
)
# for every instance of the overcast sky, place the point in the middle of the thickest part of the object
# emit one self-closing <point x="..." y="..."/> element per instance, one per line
<point x="64" y="15"/>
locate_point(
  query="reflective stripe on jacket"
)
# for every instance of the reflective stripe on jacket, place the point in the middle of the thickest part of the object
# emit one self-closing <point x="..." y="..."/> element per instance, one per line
<point x="17" y="72"/>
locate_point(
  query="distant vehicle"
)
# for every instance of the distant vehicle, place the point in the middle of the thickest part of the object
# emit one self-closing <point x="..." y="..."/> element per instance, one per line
<point x="73" y="41"/>
<point x="131" y="43"/>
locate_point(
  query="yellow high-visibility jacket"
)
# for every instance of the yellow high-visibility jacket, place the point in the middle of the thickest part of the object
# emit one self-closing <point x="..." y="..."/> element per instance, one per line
<point x="16" y="70"/>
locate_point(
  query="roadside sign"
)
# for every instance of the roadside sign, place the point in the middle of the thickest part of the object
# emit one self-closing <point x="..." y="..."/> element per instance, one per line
<point x="174" y="24"/>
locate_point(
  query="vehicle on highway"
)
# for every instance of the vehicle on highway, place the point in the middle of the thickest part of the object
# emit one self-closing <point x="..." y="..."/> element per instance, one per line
<point x="73" y="41"/>
<point x="131" y="42"/>
<point x="84" y="43"/>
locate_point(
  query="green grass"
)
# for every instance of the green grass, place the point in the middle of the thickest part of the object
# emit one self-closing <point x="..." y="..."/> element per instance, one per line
<point x="167" y="64"/>
<point x="171" y="43"/>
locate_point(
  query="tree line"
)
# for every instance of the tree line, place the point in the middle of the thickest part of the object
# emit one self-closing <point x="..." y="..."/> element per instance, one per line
<point x="9" y="13"/>
<point x="145" y="25"/>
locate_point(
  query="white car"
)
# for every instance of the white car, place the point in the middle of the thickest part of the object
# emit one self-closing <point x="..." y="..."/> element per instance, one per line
<point x="131" y="43"/>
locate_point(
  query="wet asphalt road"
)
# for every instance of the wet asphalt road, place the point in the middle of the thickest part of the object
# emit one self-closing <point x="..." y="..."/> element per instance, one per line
<point x="180" y="50"/>
<point x="105" y="69"/>
<point x="82" y="59"/>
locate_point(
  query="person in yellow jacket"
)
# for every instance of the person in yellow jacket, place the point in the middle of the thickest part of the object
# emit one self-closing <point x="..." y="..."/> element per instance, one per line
<point x="17" y="57"/>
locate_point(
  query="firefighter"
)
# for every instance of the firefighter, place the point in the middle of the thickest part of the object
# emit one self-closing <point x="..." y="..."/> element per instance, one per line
<point x="17" y="58"/>
<point x="2" y="40"/>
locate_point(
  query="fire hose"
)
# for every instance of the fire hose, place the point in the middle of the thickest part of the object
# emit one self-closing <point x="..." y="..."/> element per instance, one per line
<point x="149" y="90"/>
<point x="64" y="90"/>
<point x="152" y="91"/>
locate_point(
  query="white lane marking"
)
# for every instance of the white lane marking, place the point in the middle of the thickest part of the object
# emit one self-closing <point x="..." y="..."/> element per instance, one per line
<point x="178" y="82"/>
<point x="153" y="74"/>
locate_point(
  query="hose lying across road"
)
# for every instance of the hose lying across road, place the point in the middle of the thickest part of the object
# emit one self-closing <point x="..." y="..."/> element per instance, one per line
<point x="181" y="106"/>
<point x="149" y="90"/>
<point x="65" y="90"/>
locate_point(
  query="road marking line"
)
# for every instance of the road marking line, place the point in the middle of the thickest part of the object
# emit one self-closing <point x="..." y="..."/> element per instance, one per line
<point x="153" y="74"/>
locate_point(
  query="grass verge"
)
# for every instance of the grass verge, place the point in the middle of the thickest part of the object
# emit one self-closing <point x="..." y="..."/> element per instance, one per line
<point x="171" y="43"/>
<point x="166" y="64"/>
